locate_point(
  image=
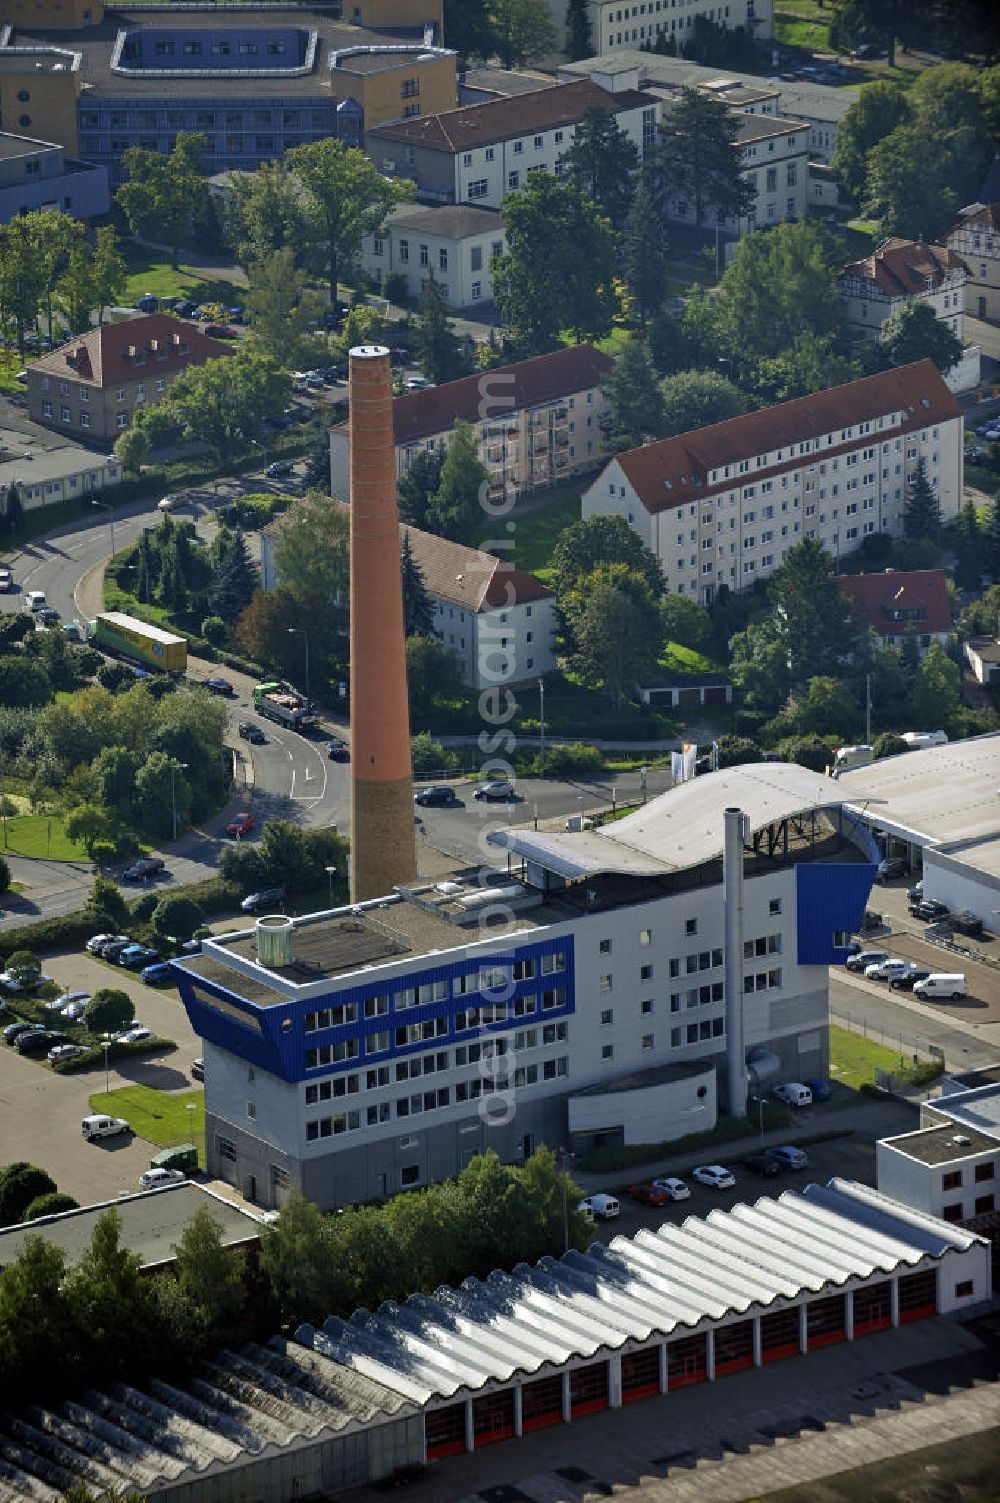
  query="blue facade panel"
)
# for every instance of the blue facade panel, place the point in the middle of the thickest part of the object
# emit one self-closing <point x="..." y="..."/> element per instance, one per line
<point x="829" y="899"/>
<point x="276" y="1038"/>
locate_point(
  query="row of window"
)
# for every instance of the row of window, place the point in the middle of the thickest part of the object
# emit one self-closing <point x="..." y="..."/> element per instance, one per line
<point x="248" y="119"/>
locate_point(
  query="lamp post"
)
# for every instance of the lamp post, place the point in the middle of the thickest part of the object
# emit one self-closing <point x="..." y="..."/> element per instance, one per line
<point x="300" y="631"/>
<point x="106" y="505"/>
<point x="331" y="872"/>
<point x="106" y="1041"/>
<point x="190" y="1112"/>
<point x="173" y="791"/>
<point x="541" y="715"/>
<point x="563" y="1157"/>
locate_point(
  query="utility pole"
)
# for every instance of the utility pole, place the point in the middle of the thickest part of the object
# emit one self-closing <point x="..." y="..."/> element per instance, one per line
<point x="868" y="709"/>
<point x="541" y="715"/>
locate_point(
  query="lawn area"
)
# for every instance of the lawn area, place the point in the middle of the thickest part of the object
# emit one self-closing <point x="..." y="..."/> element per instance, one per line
<point x="10" y="364"/>
<point x="806" y="26"/>
<point x="571" y="709"/>
<point x="854" y="1059"/>
<point x="41" y="835"/>
<point x="161" y="1117"/>
<point x="150" y="271"/>
<point x="536" y="532"/>
<point x="679" y="659"/>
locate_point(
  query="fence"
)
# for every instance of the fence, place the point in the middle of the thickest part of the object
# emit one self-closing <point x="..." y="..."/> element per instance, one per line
<point x="912" y="1045"/>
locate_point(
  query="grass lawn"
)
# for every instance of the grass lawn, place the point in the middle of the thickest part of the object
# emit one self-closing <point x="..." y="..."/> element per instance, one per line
<point x="29" y="835"/>
<point x="161" y="1117"/>
<point x="854" y="1059"/>
<point x="150" y="271"/>
<point x="806" y="27"/>
<point x="679" y="659"/>
<point x="537" y="532"/>
<point x="571" y="709"/>
<point x="10" y="364"/>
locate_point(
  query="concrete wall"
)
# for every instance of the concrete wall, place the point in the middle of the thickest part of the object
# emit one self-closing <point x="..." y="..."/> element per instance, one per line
<point x="649" y="1114"/>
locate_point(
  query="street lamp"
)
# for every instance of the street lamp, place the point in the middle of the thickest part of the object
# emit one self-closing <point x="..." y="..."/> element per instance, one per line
<point x="331" y="872"/>
<point x="541" y="716"/>
<point x="190" y="1112"/>
<point x="300" y="631"/>
<point x="173" y="790"/>
<point x="111" y="516"/>
<point x="106" y="1041"/>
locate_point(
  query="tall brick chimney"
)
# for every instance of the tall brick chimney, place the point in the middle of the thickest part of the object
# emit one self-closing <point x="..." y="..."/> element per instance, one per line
<point x="383" y="845"/>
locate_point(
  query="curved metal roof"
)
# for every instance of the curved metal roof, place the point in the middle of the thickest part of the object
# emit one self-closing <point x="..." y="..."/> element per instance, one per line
<point x="681" y="828"/>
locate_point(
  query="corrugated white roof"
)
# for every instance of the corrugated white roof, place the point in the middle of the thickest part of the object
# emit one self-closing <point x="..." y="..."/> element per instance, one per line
<point x="635" y="1289"/>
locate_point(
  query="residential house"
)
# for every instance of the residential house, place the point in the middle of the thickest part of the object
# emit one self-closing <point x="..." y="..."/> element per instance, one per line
<point x="976" y="238"/>
<point x="457" y="242"/>
<point x="480" y="152"/>
<point x="538" y="421"/>
<point x="92" y="386"/>
<point x="39" y="175"/>
<point x="897" y="273"/>
<point x="499" y="622"/>
<point x="44" y="477"/>
<point x="902" y="604"/>
<point x="722" y="505"/>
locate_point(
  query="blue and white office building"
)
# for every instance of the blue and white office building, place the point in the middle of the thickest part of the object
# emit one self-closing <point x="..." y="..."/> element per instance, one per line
<point x="616" y="985"/>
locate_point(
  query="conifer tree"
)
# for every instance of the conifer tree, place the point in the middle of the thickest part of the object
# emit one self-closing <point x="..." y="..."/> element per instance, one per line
<point x="922" y="513"/>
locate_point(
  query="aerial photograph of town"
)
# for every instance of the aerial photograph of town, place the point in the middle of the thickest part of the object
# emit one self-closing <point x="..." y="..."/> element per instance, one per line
<point x="500" y="751"/>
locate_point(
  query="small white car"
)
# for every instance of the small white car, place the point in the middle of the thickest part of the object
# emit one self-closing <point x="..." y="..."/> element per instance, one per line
<point x="153" y="1179"/>
<point x="675" y="1188"/>
<point x="884" y="970"/>
<point x="793" y="1093"/>
<point x="64" y="1051"/>
<point x="134" y="1035"/>
<point x="66" y="999"/>
<point x="169" y="503"/>
<point x="715" y="1176"/>
<point x="73" y="1011"/>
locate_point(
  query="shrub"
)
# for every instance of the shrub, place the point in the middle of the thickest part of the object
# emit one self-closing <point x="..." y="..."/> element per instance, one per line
<point x="394" y="287"/>
<point x="24" y="968"/>
<point x="736" y="749"/>
<point x="143" y="907"/>
<point x="557" y="761"/>
<point x="51" y="1204"/>
<point x="20" y="1185"/>
<point x="889" y="745"/>
<point x="4" y="875"/>
<point x="429" y="756"/>
<point x="814" y="754"/>
<point x="108" y="1010"/>
<point x="748" y="722"/>
<point x="94" y="1055"/>
<point x="60" y="933"/>
<point x="177" y="917"/>
<point x="214" y="630"/>
<point x="105" y="901"/>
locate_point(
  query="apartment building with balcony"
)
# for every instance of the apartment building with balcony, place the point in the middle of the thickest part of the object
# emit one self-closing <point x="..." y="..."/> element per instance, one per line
<point x="538" y="421"/>
<point x="722" y="505"/>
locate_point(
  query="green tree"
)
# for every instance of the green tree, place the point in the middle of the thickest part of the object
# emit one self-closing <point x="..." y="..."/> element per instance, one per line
<point x="694" y="399"/>
<point x="585" y="545"/>
<point x="645" y="252"/>
<point x="105" y="903"/>
<point x="735" y="750"/>
<point x="968" y="572"/>
<point x="468" y="27"/>
<point x="522" y="31"/>
<point x="164" y="194"/>
<point x="161" y="788"/>
<point x="809" y="364"/>
<point x="116" y="767"/>
<point x="936" y="696"/>
<point x="909" y="183"/>
<point x="454" y="511"/>
<point x="34" y="1320"/>
<point x="633" y="404"/>
<point x="265" y="214"/>
<point x="20" y="1185"/>
<point x="812" y="753"/>
<point x="234" y="576"/>
<point x="698" y="159"/>
<point x="602" y="163"/>
<point x="439" y="352"/>
<point x="812" y="618"/>
<point x="776" y="287"/>
<point x="922" y="512"/>
<point x="418" y="611"/>
<point x="346" y="199"/>
<point x="223" y="402"/>
<point x="108" y="1011"/>
<point x="312" y="565"/>
<point x="828" y="707"/>
<point x="108" y="270"/>
<point x="579" y="41"/>
<point x="432" y="675"/>
<point x="615" y="627"/>
<point x="5" y="873"/>
<point x="889" y="745"/>
<point x="558" y="270"/>
<point x="23" y="682"/>
<point x="212" y="1277"/>
<point x="24" y="969"/>
<point x="22" y="277"/>
<point x="132" y="448"/>
<point x="90" y="824"/>
<point x="53" y="1203"/>
<point x="54" y="236"/>
<point x="111" y="1300"/>
<point x="13" y="507"/>
<point x="177" y="917"/>
<point x="878" y="109"/>
<point x="686" y="623"/>
<point x="280" y="307"/>
<point x="74" y="290"/>
<point x="914" y="332"/>
<point x="415" y="489"/>
<point x="295" y="1255"/>
<point x="991" y="539"/>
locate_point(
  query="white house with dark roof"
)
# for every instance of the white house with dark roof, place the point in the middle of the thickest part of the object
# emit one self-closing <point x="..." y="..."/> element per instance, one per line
<point x="722" y="505"/>
<point x="897" y="273"/>
<point x="457" y="243"/>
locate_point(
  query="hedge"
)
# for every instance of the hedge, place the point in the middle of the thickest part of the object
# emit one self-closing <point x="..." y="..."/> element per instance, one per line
<point x="59" y="933"/>
<point x="94" y="1055"/>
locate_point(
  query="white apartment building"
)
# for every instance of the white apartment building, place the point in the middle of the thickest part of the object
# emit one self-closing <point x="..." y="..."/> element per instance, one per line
<point x="976" y="238"/>
<point x="775" y="156"/>
<point x="722" y="505"/>
<point x="899" y="272"/>
<point x="615" y="25"/>
<point x="456" y="242"/>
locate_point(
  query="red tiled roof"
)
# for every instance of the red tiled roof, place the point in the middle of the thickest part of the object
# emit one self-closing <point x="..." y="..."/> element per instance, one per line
<point x="674" y="471"/>
<point x="152" y="346"/>
<point x="507" y="389"/>
<point x="877" y="596"/>
<point x="499" y="119"/>
<point x="906" y="268"/>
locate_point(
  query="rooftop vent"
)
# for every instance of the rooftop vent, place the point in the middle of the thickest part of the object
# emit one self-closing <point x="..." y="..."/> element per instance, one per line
<point x="962" y="1140"/>
<point x="275" y="940"/>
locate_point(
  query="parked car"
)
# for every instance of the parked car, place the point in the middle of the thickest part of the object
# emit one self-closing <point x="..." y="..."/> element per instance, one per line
<point x="497" y="788"/>
<point x="39" y="1041"/>
<point x="148" y="303"/>
<point x="862" y="959"/>
<point x="240" y="825"/>
<point x="136" y="1033"/>
<point x="279" y="469"/>
<point x="145" y="868"/>
<point x="198" y="1069"/>
<point x="934" y="987"/>
<point x="337" y="750"/>
<point x="169" y="502"/>
<point x="884" y="970"/>
<point x="821" y="1089"/>
<point x="967" y="923"/>
<point x="250" y="732"/>
<point x="601" y="1207"/>
<point x="11" y="983"/>
<point x="6" y="579"/>
<point x="416" y="383"/>
<point x="791" y="1157"/>
<point x="155" y="1179"/>
<point x="793" y="1093"/>
<point x="890" y="867"/>
<point x="112" y="951"/>
<point x="916" y="892"/>
<point x="715" y="1176"/>
<point x="436" y="793"/>
<point x="98" y="1126"/>
<point x="649" y="1195"/>
<point x="60" y="1003"/>
<point x="218" y="685"/>
<point x="73" y="1012"/>
<point x="153" y="974"/>
<point x="928" y="909"/>
<point x="47" y="616"/>
<point x="672" y="1187"/>
<point x="905" y="981"/>
<point x="96" y="942"/>
<point x="764" y="1163"/>
<point x="138" y="957"/>
<point x="259" y="902"/>
<point x="13" y="1031"/>
<point x="64" y="1051"/>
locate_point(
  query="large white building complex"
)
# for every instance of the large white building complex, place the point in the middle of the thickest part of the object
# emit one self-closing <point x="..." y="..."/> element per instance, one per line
<point x="722" y="505"/>
<point x="601" y="990"/>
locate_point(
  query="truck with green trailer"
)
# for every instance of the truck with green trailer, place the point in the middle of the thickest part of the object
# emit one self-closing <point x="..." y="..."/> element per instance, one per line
<point x="282" y="704"/>
<point x="122" y="636"/>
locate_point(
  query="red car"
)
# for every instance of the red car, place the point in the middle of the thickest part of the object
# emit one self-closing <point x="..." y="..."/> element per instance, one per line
<point x="221" y="331"/>
<point x="649" y="1195"/>
<point x="241" y="825"/>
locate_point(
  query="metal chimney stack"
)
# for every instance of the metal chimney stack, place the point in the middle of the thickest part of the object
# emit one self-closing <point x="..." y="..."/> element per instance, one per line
<point x="383" y="845"/>
<point x="732" y="889"/>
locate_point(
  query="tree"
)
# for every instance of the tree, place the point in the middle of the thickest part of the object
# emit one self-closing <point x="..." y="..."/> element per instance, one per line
<point x="415" y="489"/>
<point x="23" y="682"/>
<point x="265" y="214"/>
<point x="161" y="790"/>
<point x="439" y="352"/>
<point x="24" y="969"/>
<point x="223" y="402"/>
<point x="111" y="1299"/>
<point x="132" y="448"/>
<point x="20" y="1185"/>
<point x="558" y="270"/>
<point x="108" y="1011"/>
<point x="346" y="199"/>
<point x="909" y="185"/>
<point x="295" y="1257"/>
<point x="22" y="277"/>
<point x="615" y="626"/>
<point x="53" y="1203"/>
<point x="74" y="290"/>
<point x="694" y="399"/>
<point x="13" y="507"/>
<point x="914" y="332"/>
<point x="234" y="576"/>
<point x="633" y="405"/>
<point x="468" y="28"/>
<point x="810" y="364"/>
<point x="108" y="271"/>
<point x="812" y="618"/>
<point x="105" y="903"/>
<point x="645" y="252"/>
<point x="212" y="1277"/>
<point x="312" y="565"/>
<point x="602" y="163"/>
<point x="585" y="545"/>
<point x="876" y="112"/>
<point x="54" y="236"/>
<point x="455" y="511"/>
<point x="812" y="753"/>
<point x="776" y="287"/>
<point x="889" y="745"/>
<point x="735" y="750"/>
<point x="418" y="611"/>
<point x="579" y="42"/>
<point x="5" y="873"/>
<point x="685" y="623"/>
<point x="433" y="677"/>
<point x="177" y="917"/>
<point x="936" y="696"/>
<point x="522" y="31"/>
<point x="991" y="539"/>
<point x="162" y="196"/>
<point x="698" y="159"/>
<point x="281" y="308"/>
<point x="34" y="1322"/>
<point x="828" y="707"/>
<point x="91" y="825"/>
<point x="968" y="573"/>
<point x="922" y="512"/>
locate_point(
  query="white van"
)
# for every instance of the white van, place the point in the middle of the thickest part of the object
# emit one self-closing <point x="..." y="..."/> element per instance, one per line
<point x="103" y="1127"/>
<point x="941" y="984"/>
<point x="35" y="600"/>
<point x="917" y="740"/>
<point x="601" y="1207"/>
<point x="847" y="757"/>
